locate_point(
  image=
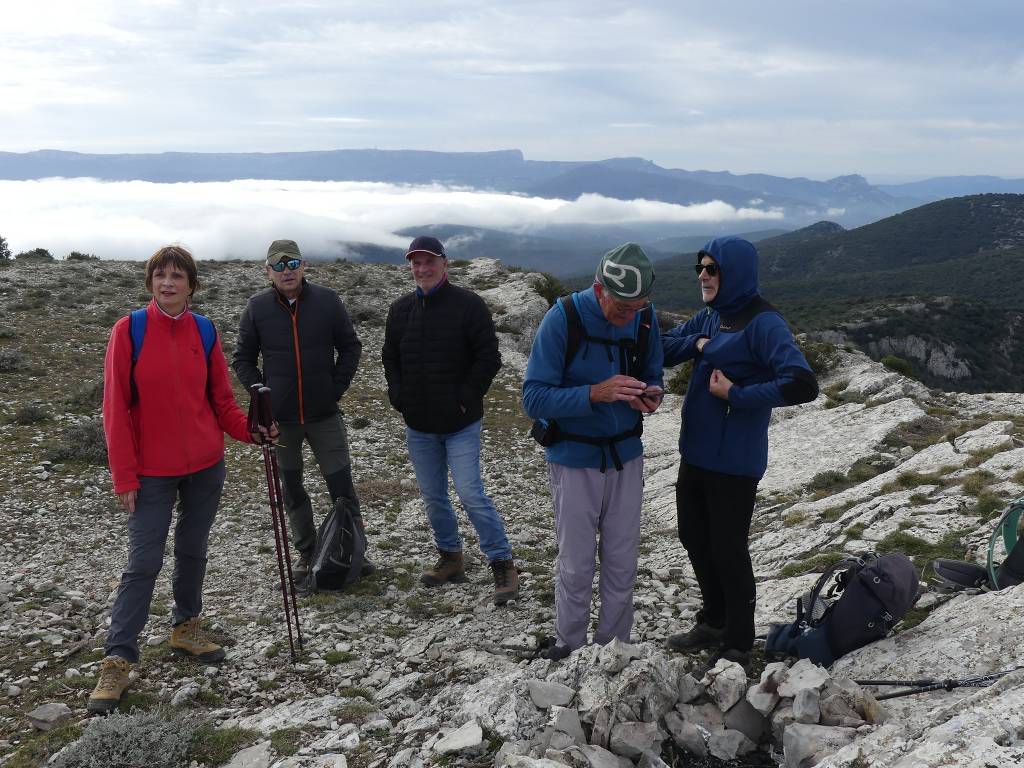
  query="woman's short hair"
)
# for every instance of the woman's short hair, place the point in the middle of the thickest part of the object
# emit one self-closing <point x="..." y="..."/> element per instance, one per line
<point x="178" y="257"/>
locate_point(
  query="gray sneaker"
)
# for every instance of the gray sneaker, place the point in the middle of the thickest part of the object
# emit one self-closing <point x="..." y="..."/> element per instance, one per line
<point x="700" y="637"/>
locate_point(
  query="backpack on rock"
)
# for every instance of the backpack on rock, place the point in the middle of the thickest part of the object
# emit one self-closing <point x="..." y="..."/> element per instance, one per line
<point x="855" y="602"/>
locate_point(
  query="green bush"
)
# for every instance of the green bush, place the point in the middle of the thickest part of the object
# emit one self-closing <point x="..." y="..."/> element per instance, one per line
<point x="11" y="360"/>
<point x="32" y="413"/>
<point x="552" y="288"/>
<point x="83" y="441"/>
<point x="897" y="364"/>
<point x="821" y="355"/>
<point x="79" y="256"/>
<point x="36" y="254"/>
<point x="157" y="739"/>
<point x="680" y="379"/>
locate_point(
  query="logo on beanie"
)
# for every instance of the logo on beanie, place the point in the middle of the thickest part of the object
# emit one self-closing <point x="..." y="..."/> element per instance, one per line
<point x="619" y="274"/>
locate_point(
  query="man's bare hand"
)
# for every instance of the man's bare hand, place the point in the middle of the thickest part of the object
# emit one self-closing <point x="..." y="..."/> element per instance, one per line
<point x="619" y="387"/>
<point x="720" y="384"/>
<point x="648" y="400"/>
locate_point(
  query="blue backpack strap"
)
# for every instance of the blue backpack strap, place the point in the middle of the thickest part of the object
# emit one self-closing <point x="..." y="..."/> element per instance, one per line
<point x="206" y="332"/>
<point x="137" y="331"/>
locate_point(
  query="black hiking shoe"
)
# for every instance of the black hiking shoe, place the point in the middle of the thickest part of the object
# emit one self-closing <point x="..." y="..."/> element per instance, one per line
<point x="701" y="636"/>
<point x="549" y="649"/>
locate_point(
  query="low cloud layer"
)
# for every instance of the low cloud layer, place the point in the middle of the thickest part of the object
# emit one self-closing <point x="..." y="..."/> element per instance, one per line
<point x="236" y="219"/>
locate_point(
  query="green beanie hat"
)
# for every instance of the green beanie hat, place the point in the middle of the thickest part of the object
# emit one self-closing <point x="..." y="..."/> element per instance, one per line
<point x="626" y="272"/>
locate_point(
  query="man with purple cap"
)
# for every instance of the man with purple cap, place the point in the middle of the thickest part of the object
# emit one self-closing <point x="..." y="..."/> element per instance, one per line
<point x="440" y="355"/>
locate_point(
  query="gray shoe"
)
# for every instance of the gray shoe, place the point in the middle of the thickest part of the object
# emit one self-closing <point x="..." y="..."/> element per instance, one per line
<point x="700" y="637"/>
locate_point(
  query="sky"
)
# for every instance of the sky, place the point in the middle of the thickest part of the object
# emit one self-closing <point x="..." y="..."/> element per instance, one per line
<point x="891" y="90"/>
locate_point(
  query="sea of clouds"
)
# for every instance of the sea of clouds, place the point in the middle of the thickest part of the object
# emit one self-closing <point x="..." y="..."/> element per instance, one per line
<point x="236" y="219"/>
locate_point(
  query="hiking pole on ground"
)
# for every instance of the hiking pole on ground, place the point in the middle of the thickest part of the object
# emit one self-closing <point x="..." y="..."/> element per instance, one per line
<point x="261" y="415"/>
<point x="934" y="684"/>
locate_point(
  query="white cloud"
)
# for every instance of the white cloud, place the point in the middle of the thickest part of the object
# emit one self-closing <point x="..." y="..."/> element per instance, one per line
<point x="129" y="220"/>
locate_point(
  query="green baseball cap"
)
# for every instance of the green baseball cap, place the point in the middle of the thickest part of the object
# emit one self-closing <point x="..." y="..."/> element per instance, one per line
<point x="282" y="249"/>
<point x="626" y="272"/>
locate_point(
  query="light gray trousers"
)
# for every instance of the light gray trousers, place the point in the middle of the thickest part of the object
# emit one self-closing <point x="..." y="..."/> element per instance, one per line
<point x="596" y="513"/>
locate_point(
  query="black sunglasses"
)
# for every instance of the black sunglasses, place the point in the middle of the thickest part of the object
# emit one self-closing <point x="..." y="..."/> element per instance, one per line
<point x="711" y="268"/>
<point x="292" y="264"/>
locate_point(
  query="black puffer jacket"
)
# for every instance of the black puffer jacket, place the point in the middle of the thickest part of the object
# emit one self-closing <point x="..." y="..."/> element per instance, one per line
<point x="440" y="355"/>
<point x="298" y="344"/>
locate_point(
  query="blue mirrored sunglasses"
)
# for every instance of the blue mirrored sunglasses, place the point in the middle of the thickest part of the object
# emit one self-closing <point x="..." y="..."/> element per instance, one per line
<point x="292" y="264"/>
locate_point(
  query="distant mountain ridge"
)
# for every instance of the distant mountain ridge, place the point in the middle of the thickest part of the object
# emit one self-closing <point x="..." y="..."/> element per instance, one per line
<point x="849" y="200"/>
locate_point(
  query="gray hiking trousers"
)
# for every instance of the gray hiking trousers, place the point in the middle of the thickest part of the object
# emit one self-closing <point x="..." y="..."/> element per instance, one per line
<point x="329" y="441"/>
<point x="197" y="496"/>
<point x="596" y="513"/>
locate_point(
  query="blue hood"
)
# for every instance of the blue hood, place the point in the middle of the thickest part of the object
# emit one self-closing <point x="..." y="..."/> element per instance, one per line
<point x="737" y="261"/>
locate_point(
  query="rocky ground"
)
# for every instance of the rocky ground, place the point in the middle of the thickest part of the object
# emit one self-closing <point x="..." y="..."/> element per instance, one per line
<point x="394" y="674"/>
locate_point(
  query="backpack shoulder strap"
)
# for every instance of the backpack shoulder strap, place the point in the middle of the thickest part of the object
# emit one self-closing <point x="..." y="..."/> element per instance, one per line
<point x="137" y="331"/>
<point x="574" y="324"/>
<point x="207" y="332"/>
<point x="824" y="587"/>
<point x="643" y="336"/>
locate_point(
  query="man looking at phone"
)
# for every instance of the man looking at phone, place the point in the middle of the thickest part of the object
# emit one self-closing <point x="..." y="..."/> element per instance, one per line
<point x="594" y="370"/>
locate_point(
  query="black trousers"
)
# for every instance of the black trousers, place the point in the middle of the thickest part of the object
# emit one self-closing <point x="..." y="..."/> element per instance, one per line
<point x="713" y="511"/>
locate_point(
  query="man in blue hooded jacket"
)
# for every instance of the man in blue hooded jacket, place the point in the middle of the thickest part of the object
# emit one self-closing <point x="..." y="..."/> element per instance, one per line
<point x="746" y="363"/>
<point x="590" y="404"/>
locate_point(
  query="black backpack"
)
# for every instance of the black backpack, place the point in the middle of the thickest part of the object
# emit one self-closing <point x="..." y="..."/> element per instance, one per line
<point x="340" y="546"/>
<point x="632" y="358"/>
<point x="855" y="602"/>
<point x="956" y="575"/>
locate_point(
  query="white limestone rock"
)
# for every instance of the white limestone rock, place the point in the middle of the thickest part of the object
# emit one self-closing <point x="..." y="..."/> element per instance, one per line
<point x="259" y="755"/>
<point x="807" y="706"/>
<point x="729" y="744"/>
<point x="546" y="694"/>
<point x="567" y="720"/>
<point x="803" y="674"/>
<point x="633" y="739"/>
<point x="50" y="716"/>
<point x="468" y="738"/>
<point x="616" y="655"/>
<point x="806" y="745"/>
<point x="726" y="683"/>
<point x="690" y="736"/>
<point x="994" y="436"/>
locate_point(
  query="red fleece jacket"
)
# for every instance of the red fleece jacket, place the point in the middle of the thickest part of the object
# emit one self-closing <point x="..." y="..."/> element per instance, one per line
<point x="174" y="428"/>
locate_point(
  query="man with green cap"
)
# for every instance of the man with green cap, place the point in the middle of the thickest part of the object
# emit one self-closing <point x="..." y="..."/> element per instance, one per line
<point x="310" y="354"/>
<point x="594" y="370"/>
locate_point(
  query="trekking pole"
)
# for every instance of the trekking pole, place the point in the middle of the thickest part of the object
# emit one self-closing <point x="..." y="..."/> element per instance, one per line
<point x="260" y="414"/>
<point x="932" y="684"/>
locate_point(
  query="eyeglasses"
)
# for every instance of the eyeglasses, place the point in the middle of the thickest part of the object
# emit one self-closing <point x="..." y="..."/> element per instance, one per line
<point x="291" y="264"/>
<point x="711" y="268"/>
<point x="622" y="307"/>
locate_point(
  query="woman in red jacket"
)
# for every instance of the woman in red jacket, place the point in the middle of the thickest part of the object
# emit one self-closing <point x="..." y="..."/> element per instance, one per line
<point x="164" y="416"/>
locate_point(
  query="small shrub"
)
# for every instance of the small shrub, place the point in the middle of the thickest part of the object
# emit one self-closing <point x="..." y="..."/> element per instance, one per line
<point x="359" y="422"/>
<point x="32" y="413"/>
<point x="79" y="256"/>
<point x="897" y="364"/>
<point x="820" y="355"/>
<point x="86" y="397"/>
<point x="11" y="360"/>
<point x="828" y="480"/>
<point x="83" y="441"/>
<point x="286" y="741"/>
<point x="855" y="531"/>
<point x="36" y="254"/>
<point x="816" y="563"/>
<point x="551" y="289"/>
<point x="215" y="746"/>
<point x="680" y="379"/>
<point x="157" y="739"/>
<point x="793" y="518"/>
<point x="1018" y="477"/>
<point x="989" y="505"/>
<point x="339" y="657"/>
<point x="976" y="482"/>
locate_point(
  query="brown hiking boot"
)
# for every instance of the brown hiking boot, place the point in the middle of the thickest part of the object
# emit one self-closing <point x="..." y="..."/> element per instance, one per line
<point x="111" y="685"/>
<point x="506" y="581"/>
<point x="449" y="567"/>
<point x="188" y="640"/>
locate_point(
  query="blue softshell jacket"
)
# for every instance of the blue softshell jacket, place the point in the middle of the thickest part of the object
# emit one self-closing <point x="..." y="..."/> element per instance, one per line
<point x="552" y="391"/>
<point x="752" y="345"/>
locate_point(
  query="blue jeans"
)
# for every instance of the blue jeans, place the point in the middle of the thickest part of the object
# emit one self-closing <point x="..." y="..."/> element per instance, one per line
<point x="431" y="457"/>
<point x="197" y="496"/>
